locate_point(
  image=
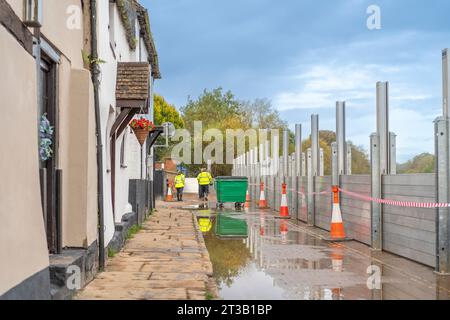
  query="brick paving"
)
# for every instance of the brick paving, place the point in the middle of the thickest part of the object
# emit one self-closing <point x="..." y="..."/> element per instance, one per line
<point x="167" y="260"/>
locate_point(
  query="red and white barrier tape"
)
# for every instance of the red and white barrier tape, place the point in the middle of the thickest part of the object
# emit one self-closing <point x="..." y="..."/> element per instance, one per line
<point x="315" y="193"/>
<point x="405" y="204"/>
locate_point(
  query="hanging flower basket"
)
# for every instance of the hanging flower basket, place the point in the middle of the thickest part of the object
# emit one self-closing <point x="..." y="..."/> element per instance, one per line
<point x="141" y="128"/>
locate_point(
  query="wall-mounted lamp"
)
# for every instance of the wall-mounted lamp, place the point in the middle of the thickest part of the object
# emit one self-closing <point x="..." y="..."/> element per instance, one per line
<point x="32" y="12"/>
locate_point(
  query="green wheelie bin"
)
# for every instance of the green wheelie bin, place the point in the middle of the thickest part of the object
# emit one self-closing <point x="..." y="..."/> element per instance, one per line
<point x="231" y="190"/>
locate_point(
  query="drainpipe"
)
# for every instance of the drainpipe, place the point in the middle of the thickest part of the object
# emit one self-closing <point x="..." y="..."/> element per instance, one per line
<point x="95" y="72"/>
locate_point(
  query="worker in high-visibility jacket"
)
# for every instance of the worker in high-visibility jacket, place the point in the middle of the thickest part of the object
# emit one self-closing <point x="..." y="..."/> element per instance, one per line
<point x="179" y="181"/>
<point x="204" y="181"/>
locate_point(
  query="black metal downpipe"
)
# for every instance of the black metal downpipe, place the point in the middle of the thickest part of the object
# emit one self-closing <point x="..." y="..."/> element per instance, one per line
<point x="95" y="81"/>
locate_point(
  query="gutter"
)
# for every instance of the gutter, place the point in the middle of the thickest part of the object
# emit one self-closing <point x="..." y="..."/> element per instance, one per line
<point x="95" y="72"/>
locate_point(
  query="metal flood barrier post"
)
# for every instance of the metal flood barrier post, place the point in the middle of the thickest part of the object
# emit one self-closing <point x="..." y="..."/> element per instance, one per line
<point x="340" y="138"/>
<point x="294" y="190"/>
<point x="267" y="181"/>
<point x="334" y="164"/>
<point x="286" y="165"/>
<point x="442" y="146"/>
<point x="285" y="154"/>
<point x="376" y="213"/>
<point x="349" y="159"/>
<point x="313" y="164"/>
<point x="383" y="161"/>
<point x="275" y="172"/>
<point x="322" y="163"/>
<point x="310" y="197"/>
<point x="298" y="168"/>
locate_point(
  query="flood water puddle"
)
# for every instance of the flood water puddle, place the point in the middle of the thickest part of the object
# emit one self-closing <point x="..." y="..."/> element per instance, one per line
<point x="255" y="256"/>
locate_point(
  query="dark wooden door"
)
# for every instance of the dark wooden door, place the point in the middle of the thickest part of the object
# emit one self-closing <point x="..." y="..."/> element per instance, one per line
<point x="48" y="167"/>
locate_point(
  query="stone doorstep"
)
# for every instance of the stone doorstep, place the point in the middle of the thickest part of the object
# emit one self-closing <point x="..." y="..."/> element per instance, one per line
<point x="85" y="259"/>
<point x="121" y="231"/>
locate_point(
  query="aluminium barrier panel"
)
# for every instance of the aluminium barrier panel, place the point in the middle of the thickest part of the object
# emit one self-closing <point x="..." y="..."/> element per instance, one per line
<point x="356" y="213"/>
<point x="297" y="198"/>
<point x="256" y="190"/>
<point x="410" y="232"/>
<point x="293" y="205"/>
<point x="303" y="203"/>
<point x="270" y="193"/>
<point x="278" y="181"/>
<point x="290" y="195"/>
<point x="322" y="202"/>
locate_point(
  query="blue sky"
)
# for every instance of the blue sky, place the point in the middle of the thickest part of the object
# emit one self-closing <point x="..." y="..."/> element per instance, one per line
<point x="304" y="55"/>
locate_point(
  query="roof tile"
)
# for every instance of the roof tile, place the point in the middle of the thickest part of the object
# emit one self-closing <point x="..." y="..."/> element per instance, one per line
<point x="133" y="81"/>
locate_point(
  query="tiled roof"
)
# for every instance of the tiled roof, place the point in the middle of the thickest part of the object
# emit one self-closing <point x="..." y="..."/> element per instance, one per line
<point x="144" y="22"/>
<point x="133" y="81"/>
<point x="130" y="10"/>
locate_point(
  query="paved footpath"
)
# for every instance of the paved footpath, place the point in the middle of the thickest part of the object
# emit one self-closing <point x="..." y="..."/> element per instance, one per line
<point x="167" y="260"/>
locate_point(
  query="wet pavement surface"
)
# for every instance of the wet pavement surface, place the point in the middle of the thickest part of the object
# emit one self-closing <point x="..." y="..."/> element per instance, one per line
<point x="166" y="260"/>
<point x="256" y="256"/>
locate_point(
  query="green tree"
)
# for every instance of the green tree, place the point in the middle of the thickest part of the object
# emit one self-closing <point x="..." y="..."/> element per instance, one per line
<point x="423" y="163"/>
<point x="212" y="108"/>
<point x="222" y="110"/>
<point x="360" y="159"/>
<point x="261" y="114"/>
<point x="165" y="112"/>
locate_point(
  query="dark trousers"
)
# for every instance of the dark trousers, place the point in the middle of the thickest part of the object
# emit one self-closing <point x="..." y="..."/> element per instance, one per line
<point x="204" y="191"/>
<point x="180" y="194"/>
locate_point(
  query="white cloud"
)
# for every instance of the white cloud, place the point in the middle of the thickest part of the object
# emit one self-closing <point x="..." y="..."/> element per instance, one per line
<point x="319" y="86"/>
<point x="415" y="90"/>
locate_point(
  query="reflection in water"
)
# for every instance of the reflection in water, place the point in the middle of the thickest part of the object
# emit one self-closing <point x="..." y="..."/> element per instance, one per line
<point x="205" y="224"/>
<point x="228" y="256"/>
<point x="228" y="226"/>
<point x="262" y="224"/>
<point x="284" y="229"/>
<point x="255" y="256"/>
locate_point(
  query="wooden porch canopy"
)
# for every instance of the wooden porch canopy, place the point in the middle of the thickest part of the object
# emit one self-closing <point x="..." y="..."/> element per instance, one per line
<point x="132" y="93"/>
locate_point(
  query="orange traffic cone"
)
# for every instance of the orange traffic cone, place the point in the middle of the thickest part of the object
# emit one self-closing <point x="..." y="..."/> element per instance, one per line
<point x="337" y="232"/>
<point x="262" y="198"/>
<point x="247" y="200"/>
<point x="169" y="193"/>
<point x="284" y="210"/>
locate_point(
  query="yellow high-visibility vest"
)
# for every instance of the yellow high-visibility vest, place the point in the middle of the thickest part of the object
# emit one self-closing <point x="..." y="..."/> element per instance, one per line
<point x="204" y="178"/>
<point x="179" y="181"/>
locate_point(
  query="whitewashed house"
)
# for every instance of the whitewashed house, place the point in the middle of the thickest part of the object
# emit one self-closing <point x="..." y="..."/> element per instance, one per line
<point x="129" y="69"/>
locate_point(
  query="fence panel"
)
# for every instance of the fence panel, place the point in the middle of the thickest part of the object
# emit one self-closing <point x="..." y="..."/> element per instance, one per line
<point x="303" y="203"/>
<point x="323" y="202"/>
<point x="355" y="212"/>
<point x="410" y="232"/>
